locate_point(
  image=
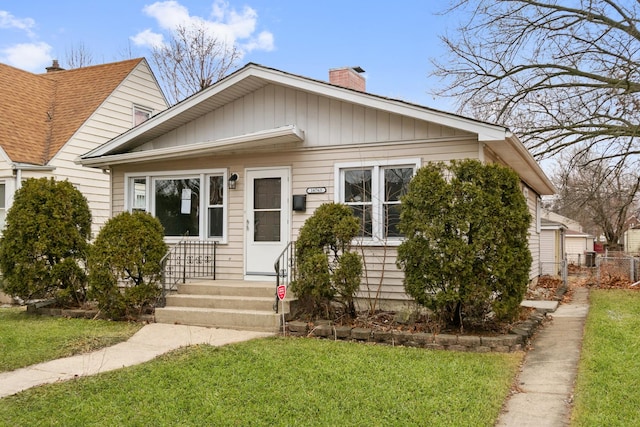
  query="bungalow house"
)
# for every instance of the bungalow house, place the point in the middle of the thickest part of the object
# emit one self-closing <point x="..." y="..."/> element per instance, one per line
<point x="246" y="161"/>
<point x="49" y="119"/>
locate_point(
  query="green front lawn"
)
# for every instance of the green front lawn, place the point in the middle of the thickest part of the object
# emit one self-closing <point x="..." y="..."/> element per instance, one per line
<point x="607" y="388"/>
<point x="26" y="339"/>
<point x="281" y="381"/>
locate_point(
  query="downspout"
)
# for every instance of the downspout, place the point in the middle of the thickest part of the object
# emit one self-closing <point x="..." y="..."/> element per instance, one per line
<point x="20" y="167"/>
<point x="18" y="179"/>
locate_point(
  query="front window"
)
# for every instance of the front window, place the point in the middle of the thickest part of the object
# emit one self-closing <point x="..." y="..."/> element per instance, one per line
<point x="216" y="206"/>
<point x="139" y="193"/>
<point x="373" y="192"/>
<point x="185" y="204"/>
<point x="177" y="203"/>
<point x="357" y="194"/>
<point x="396" y="185"/>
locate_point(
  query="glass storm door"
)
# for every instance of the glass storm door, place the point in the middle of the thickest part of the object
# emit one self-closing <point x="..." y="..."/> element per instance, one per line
<point x="267" y="220"/>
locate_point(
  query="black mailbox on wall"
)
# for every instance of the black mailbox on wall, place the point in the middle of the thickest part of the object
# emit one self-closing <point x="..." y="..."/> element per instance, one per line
<point x="299" y="202"/>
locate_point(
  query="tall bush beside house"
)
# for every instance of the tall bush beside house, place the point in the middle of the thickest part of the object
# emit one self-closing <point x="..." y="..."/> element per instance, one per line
<point x="327" y="269"/>
<point x="466" y="254"/>
<point x="44" y="245"/>
<point x="125" y="264"/>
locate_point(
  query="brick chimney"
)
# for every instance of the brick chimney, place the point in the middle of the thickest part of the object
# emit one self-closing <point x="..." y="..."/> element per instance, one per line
<point x="54" y="67"/>
<point x="349" y="77"/>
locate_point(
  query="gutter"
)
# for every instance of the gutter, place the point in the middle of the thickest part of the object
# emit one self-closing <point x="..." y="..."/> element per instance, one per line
<point x="18" y="168"/>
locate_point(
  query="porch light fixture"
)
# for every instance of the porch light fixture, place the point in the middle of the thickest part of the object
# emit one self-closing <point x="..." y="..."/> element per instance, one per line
<point x="232" y="181"/>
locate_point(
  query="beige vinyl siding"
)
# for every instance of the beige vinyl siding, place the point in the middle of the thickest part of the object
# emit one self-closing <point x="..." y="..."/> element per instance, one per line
<point x="310" y="168"/>
<point x="632" y="240"/>
<point x="334" y="132"/>
<point x="325" y="121"/>
<point x="576" y="246"/>
<point x="534" y="231"/>
<point x="112" y="118"/>
<point x="532" y="204"/>
<point x="549" y="252"/>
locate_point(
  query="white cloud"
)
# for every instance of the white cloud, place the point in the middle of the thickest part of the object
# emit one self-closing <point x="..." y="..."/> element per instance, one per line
<point x="148" y="38"/>
<point x="264" y="41"/>
<point x="224" y="23"/>
<point x="7" y="20"/>
<point x="32" y="57"/>
<point x="169" y="14"/>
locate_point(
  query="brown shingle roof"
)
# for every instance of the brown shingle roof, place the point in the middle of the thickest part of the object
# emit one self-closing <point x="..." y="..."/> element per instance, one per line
<point x="41" y="112"/>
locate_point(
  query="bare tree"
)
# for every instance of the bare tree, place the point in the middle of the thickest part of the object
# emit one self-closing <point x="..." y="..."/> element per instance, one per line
<point x="558" y="73"/>
<point x="78" y="55"/>
<point x="193" y="59"/>
<point x="599" y="193"/>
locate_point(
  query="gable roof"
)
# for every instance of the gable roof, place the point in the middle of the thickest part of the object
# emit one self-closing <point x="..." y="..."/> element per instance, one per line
<point x="41" y="112"/>
<point x="253" y="76"/>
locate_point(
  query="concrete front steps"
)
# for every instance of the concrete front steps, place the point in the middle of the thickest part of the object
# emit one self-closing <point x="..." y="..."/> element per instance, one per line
<point x="228" y="304"/>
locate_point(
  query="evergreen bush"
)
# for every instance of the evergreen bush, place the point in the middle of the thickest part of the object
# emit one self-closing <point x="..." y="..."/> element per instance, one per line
<point x="125" y="264"/>
<point x="44" y="245"/>
<point x="466" y="251"/>
<point x="327" y="269"/>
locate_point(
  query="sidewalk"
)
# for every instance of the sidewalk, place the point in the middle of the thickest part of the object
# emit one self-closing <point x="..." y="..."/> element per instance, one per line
<point x="149" y="342"/>
<point x="545" y="382"/>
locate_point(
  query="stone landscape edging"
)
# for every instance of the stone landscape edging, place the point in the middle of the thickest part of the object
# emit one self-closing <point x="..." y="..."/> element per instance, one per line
<point x="516" y="340"/>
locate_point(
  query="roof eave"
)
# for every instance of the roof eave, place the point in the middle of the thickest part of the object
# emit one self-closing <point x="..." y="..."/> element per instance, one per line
<point x="170" y="118"/>
<point x="289" y="134"/>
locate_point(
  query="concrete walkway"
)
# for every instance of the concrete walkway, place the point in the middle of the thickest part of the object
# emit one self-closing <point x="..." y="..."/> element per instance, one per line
<point x="545" y="383"/>
<point x="149" y="342"/>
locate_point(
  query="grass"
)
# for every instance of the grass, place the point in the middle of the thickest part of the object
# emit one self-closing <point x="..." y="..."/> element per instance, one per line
<point x="606" y="392"/>
<point x="26" y="339"/>
<point x="280" y="381"/>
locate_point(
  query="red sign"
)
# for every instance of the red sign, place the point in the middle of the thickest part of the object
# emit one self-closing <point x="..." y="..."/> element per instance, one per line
<point x="282" y="292"/>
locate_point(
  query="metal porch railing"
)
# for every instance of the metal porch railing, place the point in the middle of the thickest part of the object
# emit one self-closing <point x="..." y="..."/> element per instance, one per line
<point x="187" y="259"/>
<point x="285" y="267"/>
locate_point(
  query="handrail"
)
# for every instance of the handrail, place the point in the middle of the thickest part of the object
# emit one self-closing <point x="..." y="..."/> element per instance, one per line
<point x="187" y="259"/>
<point x="285" y="275"/>
<point x="163" y="263"/>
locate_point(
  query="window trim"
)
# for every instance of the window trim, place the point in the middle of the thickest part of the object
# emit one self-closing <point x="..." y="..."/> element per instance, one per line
<point x="377" y="183"/>
<point x="201" y="174"/>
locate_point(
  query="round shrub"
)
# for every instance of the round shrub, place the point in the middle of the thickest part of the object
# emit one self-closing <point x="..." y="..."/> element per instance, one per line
<point x="44" y="244"/>
<point x="125" y="264"/>
<point x="327" y="270"/>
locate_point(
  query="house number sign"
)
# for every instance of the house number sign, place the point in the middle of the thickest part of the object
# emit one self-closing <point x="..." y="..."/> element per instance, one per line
<point x="316" y="190"/>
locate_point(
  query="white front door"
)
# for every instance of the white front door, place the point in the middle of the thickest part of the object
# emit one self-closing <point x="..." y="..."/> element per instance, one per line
<point x="267" y="219"/>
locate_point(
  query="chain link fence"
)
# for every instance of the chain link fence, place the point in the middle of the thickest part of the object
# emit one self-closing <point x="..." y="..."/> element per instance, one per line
<point x="613" y="268"/>
<point x="555" y="269"/>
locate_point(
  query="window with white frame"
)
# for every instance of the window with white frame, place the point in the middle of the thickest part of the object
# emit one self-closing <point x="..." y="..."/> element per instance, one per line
<point x="179" y="201"/>
<point x="373" y="191"/>
<point x="141" y="114"/>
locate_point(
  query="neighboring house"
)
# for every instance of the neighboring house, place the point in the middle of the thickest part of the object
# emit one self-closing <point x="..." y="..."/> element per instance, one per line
<point x="632" y="241"/>
<point x="579" y="248"/>
<point x="563" y="239"/>
<point x="246" y="161"/>
<point x="49" y="119"/>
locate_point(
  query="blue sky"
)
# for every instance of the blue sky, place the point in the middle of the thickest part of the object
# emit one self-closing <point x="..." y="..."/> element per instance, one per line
<point x="391" y="41"/>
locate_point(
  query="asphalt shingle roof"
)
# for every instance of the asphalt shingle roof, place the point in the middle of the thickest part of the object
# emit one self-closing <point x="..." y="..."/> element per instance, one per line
<point x="39" y="113"/>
